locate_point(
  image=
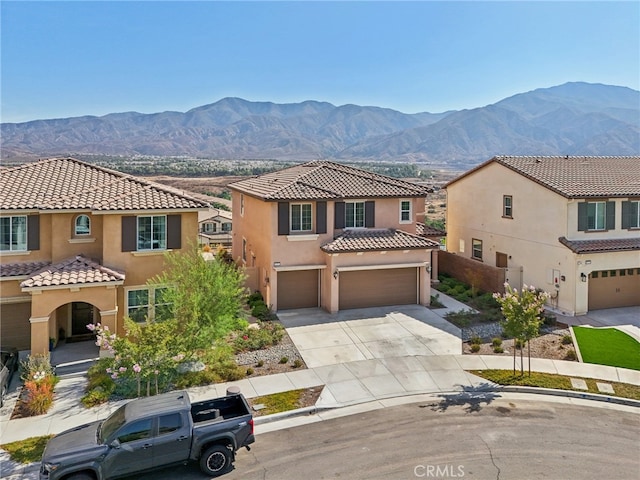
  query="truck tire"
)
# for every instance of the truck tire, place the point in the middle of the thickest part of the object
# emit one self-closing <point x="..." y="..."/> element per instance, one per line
<point x="216" y="460"/>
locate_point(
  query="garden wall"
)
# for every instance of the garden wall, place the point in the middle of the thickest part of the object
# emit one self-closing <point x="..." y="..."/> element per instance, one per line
<point x="480" y="275"/>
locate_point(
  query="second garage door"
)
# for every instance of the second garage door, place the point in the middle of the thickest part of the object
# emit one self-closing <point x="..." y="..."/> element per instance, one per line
<point x="376" y="288"/>
<point x="297" y="289"/>
<point x="614" y="288"/>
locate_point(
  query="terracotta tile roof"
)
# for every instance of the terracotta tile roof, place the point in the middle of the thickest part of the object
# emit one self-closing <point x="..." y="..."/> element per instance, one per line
<point x="21" y="268"/>
<point x="323" y="180"/>
<point x="77" y="270"/>
<point x="66" y="183"/>
<point x="425" y="231"/>
<point x="576" y="176"/>
<point x="377" y="240"/>
<point x="604" y="245"/>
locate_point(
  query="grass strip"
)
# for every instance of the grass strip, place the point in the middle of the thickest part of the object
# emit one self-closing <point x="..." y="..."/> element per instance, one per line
<point x="27" y="451"/>
<point x="608" y="346"/>
<point x="559" y="382"/>
<point x="279" y="402"/>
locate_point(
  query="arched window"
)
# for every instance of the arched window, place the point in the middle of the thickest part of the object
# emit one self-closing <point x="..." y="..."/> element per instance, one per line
<point x="83" y="225"/>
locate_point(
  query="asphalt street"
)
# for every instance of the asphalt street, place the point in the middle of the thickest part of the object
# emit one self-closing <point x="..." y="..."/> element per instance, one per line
<point x="489" y="437"/>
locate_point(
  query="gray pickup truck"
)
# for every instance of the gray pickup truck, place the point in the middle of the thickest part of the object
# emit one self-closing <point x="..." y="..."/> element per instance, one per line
<point x="150" y="433"/>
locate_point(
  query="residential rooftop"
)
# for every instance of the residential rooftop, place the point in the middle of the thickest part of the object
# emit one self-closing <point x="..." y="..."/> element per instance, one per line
<point x="324" y="180"/>
<point x="575" y="176"/>
<point x="70" y="184"/>
<point x="377" y="240"/>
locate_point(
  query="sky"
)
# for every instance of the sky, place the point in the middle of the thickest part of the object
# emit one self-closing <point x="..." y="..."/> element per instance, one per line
<point x="66" y="59"/>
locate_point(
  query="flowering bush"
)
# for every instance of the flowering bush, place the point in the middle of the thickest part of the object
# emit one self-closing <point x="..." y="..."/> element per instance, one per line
<point x="39" y="382"/>
<point x="266" y="335"/>
<point x="523" y="314"/>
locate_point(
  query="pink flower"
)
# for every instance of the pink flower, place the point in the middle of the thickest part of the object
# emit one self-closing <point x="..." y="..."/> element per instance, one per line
<point x="109" y="370"/>
<point x="245" y="337"/>
<point x="122" y="369"/>
<point x="136" y="368"/>
<point x="91" y="327"/>
<point x="114" y="375"/>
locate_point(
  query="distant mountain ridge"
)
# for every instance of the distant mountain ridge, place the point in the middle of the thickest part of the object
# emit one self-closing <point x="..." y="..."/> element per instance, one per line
<point x="575" y="118"/>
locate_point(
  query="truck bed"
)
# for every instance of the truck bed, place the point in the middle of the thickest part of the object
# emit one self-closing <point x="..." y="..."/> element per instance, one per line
<point x="219" y="409"/>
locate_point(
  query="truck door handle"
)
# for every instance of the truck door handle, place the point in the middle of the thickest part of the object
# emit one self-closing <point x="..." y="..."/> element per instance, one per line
<point x="146" y="445"/>
<point x="181" y="438"/>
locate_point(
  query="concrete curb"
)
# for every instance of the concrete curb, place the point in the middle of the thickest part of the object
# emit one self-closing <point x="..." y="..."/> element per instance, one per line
<point x="571" y="394"/>
<point x="298" y="412"/>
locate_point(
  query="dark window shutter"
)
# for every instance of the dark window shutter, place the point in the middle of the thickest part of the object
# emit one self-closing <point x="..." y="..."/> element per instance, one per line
<point x="321" y="217"/>
<point x="370" y="214"/>
<point x="582" y="217"/>
<point x="283" y="218"/>
<point x="610" y="212"/>
<point x="129" y="229"/>
<point x="339" y="215"/>
<point x="33" y="232"/>
<point x="174" y="232"/>
<point x="626" y="214"/>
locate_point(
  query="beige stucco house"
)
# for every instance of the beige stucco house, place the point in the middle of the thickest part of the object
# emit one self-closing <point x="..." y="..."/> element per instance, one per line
<point x="214" y="227"/>
<point x="327" y="235"/>
<point x="77" y="245"/>
<point x="568" y="224"/>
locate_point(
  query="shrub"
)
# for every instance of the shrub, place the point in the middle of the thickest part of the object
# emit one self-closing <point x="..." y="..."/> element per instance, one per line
<point x="498" y="349"/>
<point x="284" y="360"/>
<point x="476" y="340"/>
<point x="567" y="340"/>
<point x="435" y="301"/>
<point x="95" y="397"/>
<point x="249" y="371"/>
<point x="297" y="363"/>
<point x="255" y="298"/>
<point x="496" y="342"/>
<point x="268" y="334"/>
<point x="39" y="397"/>
<point x="475" y="347"/>
<point x="260" y="363"/>
<point x="518" y="344"/>
<point x="571" y="355"/>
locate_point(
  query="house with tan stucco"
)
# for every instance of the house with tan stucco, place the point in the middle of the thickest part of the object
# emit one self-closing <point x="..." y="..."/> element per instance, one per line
<point x="77" y="245"/>
<point x="322" y="234"/>
<point x="567" y="224"/>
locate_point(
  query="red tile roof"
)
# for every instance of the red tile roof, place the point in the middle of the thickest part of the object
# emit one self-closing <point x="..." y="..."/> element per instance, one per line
<point x="597" y="246"/>
<point x="377" y="240"/>
<point x="77" y="270"/>
<point x="323" y="180"/>
<point x="576" y="176"/>
<point x="21" y="269"/>
<point x="66" y="183"/>
<point x="425" y="231"/>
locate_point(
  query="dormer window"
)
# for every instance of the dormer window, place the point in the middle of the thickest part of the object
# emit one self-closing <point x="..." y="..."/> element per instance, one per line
<point x="82" y="225"/>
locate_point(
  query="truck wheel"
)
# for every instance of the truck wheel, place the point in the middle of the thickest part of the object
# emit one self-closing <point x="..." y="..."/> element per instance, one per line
<point x="216" y="460"/>
<point x="81" y="476"/>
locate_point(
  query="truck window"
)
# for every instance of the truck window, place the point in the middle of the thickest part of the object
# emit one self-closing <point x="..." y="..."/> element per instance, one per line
<point x="135" y="431"/>
<point x="169" y="423"/>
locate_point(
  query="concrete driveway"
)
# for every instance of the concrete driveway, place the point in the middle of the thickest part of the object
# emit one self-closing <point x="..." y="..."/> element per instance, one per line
<point x="369" y="333"/>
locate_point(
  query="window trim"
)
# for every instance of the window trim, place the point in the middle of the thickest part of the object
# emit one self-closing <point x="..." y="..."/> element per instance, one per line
<point x="603" y="215"/>
<point x="507" y="210"/>
<point x="474" y="243"/>
<point x="151" y="304"/>
<point x="12" y="234"/>
<point x="291" y="217"/>
<point x="408" y="211"/>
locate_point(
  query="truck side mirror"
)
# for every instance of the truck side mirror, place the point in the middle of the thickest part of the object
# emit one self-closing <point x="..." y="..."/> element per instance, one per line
<point x="115" y="444"/>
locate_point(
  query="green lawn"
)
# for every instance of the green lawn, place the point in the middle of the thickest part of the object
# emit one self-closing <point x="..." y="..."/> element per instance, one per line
<point x="608" y="346"/>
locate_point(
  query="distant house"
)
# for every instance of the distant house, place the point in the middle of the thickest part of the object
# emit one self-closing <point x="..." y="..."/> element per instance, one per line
<point x="569" y="224"/>
<point x="326" y="235"/>
<point x="77" y="245"/>
<point x="215" y="228"/>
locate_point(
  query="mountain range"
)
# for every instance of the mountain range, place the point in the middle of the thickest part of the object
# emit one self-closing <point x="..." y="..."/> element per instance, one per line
<point x="571" y="119"/>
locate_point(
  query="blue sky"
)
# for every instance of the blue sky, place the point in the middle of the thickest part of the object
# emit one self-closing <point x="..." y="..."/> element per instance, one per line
<point x="63" y="59"/>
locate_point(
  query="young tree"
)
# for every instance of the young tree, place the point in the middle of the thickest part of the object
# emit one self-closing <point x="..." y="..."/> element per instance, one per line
<point x="207" y="297"/>
<point x="522" y="313"/>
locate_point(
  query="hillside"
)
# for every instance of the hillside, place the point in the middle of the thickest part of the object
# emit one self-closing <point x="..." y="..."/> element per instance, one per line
<point x="574" y="118"/>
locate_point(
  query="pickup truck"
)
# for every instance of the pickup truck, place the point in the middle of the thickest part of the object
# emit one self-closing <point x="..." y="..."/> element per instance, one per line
<point x="150" y="433"/>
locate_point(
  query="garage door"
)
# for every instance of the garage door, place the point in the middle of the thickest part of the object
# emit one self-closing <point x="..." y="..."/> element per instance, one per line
<point x="376" y="288"/>
<point x="614" y="288"/>
<point x="297" y="289"/>
<point x="15" y="329"/>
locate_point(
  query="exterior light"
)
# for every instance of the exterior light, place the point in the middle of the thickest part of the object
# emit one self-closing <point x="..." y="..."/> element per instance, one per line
<point x="583" y="277"/>
<point x="335" y="274"/>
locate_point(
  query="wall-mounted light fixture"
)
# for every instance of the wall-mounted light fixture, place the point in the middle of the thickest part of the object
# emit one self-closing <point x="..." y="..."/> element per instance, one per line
<point x="583" y="277"/>
<point x="335" y="274"/>
<point x="428" y="268"/>
<point x="276" y="264"/>
<point x="266" y="280"/>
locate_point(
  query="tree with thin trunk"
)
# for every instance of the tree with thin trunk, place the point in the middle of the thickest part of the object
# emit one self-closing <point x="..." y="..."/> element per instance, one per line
<point x="522" y="313"/>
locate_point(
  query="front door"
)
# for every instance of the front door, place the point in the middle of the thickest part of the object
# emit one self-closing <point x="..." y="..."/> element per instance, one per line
<point x="81" y="316"/>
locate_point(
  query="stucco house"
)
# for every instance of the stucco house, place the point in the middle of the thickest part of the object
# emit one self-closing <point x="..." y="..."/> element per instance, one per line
<point x="567" y="224"/>
<point x="322" y="234"/>
<point x="214" y="227"/>
<point x="77" y="245"/>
